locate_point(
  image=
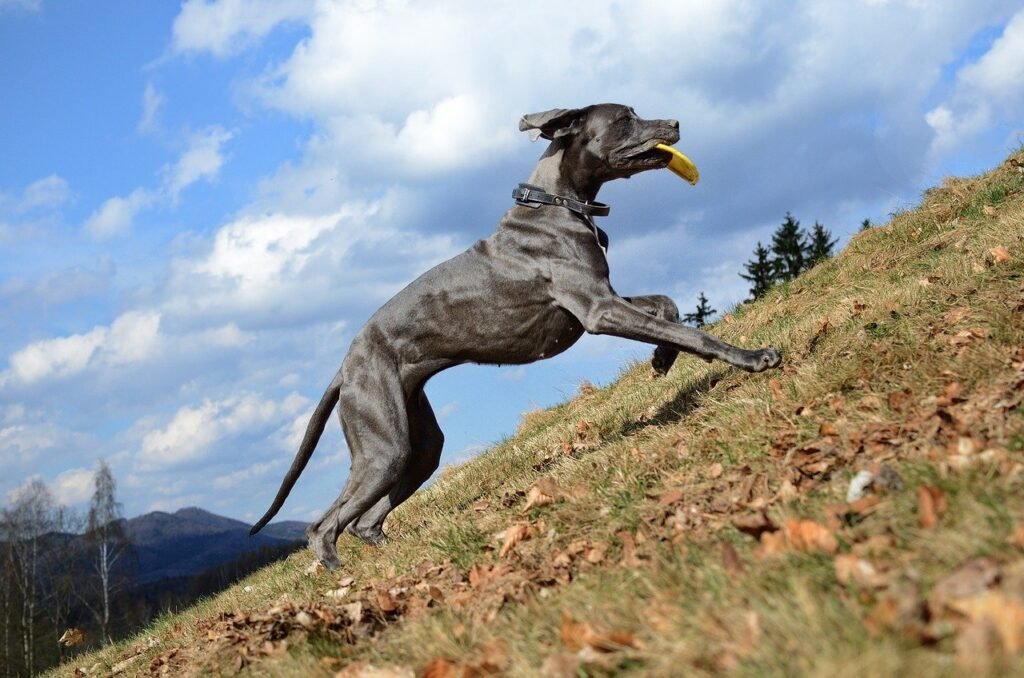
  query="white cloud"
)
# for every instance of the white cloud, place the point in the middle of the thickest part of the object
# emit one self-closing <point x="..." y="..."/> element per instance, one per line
<point x="130" y="338"/>
<point x="25" y="5"/>
<point x="223" y="27"/>
<point x="195" y="429"/>
<point x="49" y="192"/>
<point x="988" y="90"/>
<point x="202" y="159"/>
<point x="117" y="215"/>
<point x="73" y="486"/>
<point x="152" y="101"/>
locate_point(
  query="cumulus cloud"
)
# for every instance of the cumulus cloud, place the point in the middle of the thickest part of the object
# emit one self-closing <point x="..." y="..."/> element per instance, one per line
<point x="201" y="159"/>
<point x="986" y="90"/>
<point x="284" y="267"/>
<point x="130" y="338"/>
<point x="73" y="486"/>
<point x="223" y="27"/>
<point x="117" y="215"/>
<point x="195" y="428"/>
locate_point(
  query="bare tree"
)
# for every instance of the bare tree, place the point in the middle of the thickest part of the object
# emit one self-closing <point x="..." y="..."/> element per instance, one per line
<point x="108" y="542"/>
<point x="26" y="522"/>
<point x="60" y="573"/>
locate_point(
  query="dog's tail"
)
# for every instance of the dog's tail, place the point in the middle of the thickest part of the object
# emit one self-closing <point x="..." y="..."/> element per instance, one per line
<point x="314" y="429"/>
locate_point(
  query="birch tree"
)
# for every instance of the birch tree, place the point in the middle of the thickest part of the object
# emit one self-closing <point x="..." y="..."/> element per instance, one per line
<point x="108" y="543"/>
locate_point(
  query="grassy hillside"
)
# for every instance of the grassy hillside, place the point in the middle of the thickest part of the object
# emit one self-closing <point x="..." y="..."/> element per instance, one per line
<point x="700" y="522"/>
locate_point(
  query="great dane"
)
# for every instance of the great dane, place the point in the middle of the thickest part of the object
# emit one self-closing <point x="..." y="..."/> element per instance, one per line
<point x="526" y="293"/>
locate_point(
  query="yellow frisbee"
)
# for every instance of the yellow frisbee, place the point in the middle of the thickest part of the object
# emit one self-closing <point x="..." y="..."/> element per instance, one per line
<point x="681" y="165"/>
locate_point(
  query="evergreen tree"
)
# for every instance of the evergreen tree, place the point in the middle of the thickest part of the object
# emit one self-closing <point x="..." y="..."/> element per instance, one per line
<point x="760" y="272"/>
<point x="789" y="245"/>
<point x="820" y="246"/>
<point x="865" y="225"/>
<point x="703" y="312"/>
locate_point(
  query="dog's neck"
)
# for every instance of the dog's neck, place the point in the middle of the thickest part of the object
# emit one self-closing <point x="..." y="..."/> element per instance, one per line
<point x="554" y="175"/>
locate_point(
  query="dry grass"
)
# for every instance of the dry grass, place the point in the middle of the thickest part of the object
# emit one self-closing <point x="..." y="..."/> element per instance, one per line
<point x="656" y="472"/>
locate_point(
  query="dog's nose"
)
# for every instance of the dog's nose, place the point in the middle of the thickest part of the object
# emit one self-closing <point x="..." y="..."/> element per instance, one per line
<point x="674" y="124"/>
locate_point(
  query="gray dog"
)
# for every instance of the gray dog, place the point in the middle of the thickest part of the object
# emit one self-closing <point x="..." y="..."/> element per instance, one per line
<point x="526" y="293"/>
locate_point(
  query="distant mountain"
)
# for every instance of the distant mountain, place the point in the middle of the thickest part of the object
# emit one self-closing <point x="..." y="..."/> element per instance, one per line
<point x="191" y="540"/>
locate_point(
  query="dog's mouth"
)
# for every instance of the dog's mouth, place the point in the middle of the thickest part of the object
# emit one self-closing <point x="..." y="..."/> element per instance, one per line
<point x="648" y="156"/>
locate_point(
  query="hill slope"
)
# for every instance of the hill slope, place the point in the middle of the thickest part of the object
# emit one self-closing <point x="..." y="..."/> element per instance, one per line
<point x="701" y="522"/>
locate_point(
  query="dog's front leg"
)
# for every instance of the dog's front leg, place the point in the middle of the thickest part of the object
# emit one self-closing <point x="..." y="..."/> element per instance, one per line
<point x="659" y="306"/>
<point x="601" y="311"/>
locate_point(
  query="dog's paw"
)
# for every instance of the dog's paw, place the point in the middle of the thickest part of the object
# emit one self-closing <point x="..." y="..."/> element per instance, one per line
<point x="766" y="359"/>
<point x="662" y="360"/>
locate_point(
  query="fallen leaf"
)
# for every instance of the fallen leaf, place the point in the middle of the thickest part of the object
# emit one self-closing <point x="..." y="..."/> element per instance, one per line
<point x="316" y="569"/>
<point x="385" y="601"/>
<point x="931" y="505"/>
<point x="731" y="560"/>
<point x="670" y="497"/>
<point x="729" y="320"/>
<point x="851" y="569"/>
<point x="1000" y="254"/>
<point x="988" y="210"/>
<point x="561" y="665"/>
<point x="969" y="579"/>
<point x="807" y="535"/>
<point x="537" y="497"/>
<point x="72" y="637"/>
<point x="715" y="470"/>
<point x="754" y="524"/>
<point x="441" y="668"/>
<point x="481" y="505"/>
<point x="976" y="647"/>
<point x="776" y="386"/>
<point x="514" y="535"/>
<point x="1005" y="613"/>
<point x="595" y="554"/>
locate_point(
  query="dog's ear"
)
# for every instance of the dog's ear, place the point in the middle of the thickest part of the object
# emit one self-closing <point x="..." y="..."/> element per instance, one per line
<point x="552" y="124"/>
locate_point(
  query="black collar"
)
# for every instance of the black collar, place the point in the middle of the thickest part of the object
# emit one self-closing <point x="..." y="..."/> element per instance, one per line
<point x="532" y="196"/>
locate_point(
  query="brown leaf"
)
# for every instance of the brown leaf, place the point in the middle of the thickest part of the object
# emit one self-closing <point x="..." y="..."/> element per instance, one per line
<point x="729" y="320"/>
<point x="754" y="524"/>
<point x="670" y="497"/>
<point x="514" y="535"/>
<point x="851" y="569"/>
<point x="1007" y="614"/>
<point x="537" y="497"/>
<point x="731" y="560"/>
<point x="481" y="505"/>
<point x="595" y="554"/>
<point x="442" y="668"/>
<point x="385" y="601"/>
<point x="72" y="637"/>
<point x="1000" y="254"/>
<point x="931" y="505"/>
<point x="970" y="579"/>
<point x="988" y="210"/>
<point x="776" y="386"/>
<point x="561" y="665"/>
<point x="956" y="315"/>
<point x="575" y="635"/>
<point x="807" y="535"/>
<point x="715" y="471"/>
<point x="629" y="556"/>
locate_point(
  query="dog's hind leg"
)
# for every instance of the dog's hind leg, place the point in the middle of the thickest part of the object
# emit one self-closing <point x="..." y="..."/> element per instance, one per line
<point x="426" y="441"/>
<point x="376" y="425"/>
<point x="659" y="306"/>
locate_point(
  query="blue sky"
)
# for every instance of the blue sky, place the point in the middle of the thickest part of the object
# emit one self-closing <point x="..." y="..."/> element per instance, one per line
<point x="201" y="202"/>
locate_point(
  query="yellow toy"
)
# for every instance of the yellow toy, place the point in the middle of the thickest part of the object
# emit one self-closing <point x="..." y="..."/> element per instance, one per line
<point x="681" y="165"/>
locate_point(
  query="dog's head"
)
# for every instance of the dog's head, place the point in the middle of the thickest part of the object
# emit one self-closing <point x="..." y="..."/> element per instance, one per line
<point x="609" y="140"/>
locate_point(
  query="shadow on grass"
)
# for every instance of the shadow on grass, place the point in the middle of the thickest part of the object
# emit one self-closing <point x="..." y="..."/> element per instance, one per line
<point x="685" y="401"/>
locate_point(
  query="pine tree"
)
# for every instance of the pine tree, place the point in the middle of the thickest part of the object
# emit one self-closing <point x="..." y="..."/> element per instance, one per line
<point x="820" y="246"/>
<point x="865" y="225"/>
<point x="789" y="244"/>
<point x="703" y="312"/>
<point x="760" y="272"/>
